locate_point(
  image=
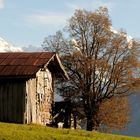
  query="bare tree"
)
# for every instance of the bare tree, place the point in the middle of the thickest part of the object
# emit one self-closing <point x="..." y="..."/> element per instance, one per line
<point x="102" y="63"/>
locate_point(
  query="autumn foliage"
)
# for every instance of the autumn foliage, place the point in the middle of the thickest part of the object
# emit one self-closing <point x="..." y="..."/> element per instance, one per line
<point x="114" y="114"/>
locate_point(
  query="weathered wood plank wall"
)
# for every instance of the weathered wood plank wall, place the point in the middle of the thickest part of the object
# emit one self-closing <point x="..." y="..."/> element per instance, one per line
<point x="39" y="98"/>
<point x="12" y="101"/>
<point x="44" y="97"/>
<point x="27" y="101"/>
<point x="31" y="100"/>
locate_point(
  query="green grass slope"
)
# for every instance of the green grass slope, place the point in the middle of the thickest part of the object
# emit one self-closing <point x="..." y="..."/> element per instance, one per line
<point x="37" y="132"/>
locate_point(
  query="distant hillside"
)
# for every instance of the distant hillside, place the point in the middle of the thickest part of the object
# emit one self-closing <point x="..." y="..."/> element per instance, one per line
<point x="133" y="128"/>
<point x="36" y="132"/>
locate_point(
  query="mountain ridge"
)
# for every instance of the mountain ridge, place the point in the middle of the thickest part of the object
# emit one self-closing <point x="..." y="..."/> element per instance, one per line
<point x="8" y="47"/>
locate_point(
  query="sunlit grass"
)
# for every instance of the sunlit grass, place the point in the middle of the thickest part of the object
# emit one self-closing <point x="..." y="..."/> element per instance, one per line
<point x="37" y="132"/>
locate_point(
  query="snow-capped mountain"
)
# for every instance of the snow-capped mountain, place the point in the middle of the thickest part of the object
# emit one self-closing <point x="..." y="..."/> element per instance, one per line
<point x="8" y="47"/>
<point x="128" y="37"/>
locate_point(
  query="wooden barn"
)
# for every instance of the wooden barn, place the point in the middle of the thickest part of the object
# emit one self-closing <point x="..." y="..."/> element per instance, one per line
<point x="26" y="86"/>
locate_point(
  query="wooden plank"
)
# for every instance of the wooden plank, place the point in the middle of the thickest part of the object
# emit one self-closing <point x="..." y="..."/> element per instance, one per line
<point x="14" y="102"/>
<point x="2" y="117"/>
<point x="24" y="103"/>
<point x="18" y="102"/>
<point x="22" y="96"/>
<point x="21" y="101"/>
<point x="10" y="103"/>
<point x="1" y="103"/>
<point x="4" y="102"/>
<point x="7" y="101"/>
<point x="28" y="102"/>
<point x="32" y="100"/>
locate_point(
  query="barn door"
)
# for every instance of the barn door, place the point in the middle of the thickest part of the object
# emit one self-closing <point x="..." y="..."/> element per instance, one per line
<point x="12" y="99"/>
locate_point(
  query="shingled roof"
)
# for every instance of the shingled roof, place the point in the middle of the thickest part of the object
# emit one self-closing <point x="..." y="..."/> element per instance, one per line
<point x="26" y="64"/>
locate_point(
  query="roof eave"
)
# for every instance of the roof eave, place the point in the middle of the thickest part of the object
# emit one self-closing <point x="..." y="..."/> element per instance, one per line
<point x="66" y="77"/>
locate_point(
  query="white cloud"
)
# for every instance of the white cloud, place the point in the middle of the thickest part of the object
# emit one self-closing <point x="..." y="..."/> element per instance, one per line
<point x="57" y="19"/>
<point x="89" y="5"/>
<point x="31" y="48"/>
<point x="47" y="18"/>
<point x="1" y="4"/>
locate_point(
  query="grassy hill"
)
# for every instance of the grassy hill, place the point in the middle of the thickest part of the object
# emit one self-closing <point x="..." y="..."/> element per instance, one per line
<point x="37" y="132"/>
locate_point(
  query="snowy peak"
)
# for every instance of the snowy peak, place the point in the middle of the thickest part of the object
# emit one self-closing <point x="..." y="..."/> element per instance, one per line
<point x="128" y="37"/>
<point x="7" y="47"/>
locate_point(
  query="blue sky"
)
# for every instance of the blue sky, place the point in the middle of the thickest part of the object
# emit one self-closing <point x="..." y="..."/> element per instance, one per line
<point x="28" y="22"/>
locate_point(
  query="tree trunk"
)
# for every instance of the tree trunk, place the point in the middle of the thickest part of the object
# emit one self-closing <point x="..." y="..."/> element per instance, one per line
<point x="90" y="124"/>
<point x="75" y="121"/>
